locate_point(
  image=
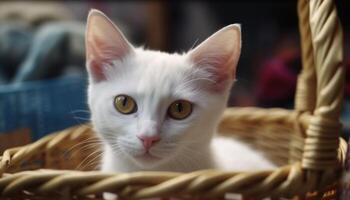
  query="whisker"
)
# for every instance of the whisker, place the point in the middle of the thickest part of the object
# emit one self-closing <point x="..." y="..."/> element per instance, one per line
<point x="86" y="158"/>
<point x="194" y="44"/>
<point x="82" y="118"/>
<point x="83" y="144"/>
<point x="88" y="140"/>
<point x="91" y="146"/>
<point x="96" y="164"/>
<point x="95" y="159"/>
<point x="117" y="148"/>
<point x="80" y="111"/>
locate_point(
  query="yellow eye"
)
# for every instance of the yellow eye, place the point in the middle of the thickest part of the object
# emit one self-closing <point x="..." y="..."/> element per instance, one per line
<point x="180" y="109"/>
<point x="125" y="104"/>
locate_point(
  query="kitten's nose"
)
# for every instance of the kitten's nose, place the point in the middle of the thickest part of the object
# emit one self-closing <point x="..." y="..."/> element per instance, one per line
<point x="148" y="141"/>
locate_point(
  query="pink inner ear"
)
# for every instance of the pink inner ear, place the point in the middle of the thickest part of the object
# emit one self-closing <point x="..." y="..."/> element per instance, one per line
<point x="221" y="79"/>
<point x="104" y="44"/>
<point x="219" y="55"/>
<point x="95" y="59"/>
<point x="100" y="54"/>
<point x="96" y="68"/>
<point x="220" y="67"/>
<point x="104" y="52"/>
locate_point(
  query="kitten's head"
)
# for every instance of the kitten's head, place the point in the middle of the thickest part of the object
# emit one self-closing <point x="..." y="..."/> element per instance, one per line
<point x="151" y="106"/>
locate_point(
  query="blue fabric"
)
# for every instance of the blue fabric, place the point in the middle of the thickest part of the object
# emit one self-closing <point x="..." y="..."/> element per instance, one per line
<point x="51" y="51"/>
<point x="43" y="106"/>
<point x="46" y="68"/>
<point x="15" y="40"/>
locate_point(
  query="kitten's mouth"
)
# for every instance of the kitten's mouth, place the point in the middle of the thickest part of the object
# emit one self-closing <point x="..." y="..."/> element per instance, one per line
<point x="147" y="156"/>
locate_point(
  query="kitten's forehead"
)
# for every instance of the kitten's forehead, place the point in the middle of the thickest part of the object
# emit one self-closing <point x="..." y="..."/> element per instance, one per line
<point x="160" y="73"/>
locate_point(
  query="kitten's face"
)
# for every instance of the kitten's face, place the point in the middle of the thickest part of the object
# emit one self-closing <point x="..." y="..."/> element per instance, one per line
<point x="152" y="106"/>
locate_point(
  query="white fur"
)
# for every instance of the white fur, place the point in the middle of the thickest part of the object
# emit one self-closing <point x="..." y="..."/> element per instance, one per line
<point x="231" y="154"/>
<point x="154" y="80"/>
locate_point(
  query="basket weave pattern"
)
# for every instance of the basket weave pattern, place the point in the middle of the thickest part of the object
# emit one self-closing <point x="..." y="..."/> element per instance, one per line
<point x="304" y="141"/>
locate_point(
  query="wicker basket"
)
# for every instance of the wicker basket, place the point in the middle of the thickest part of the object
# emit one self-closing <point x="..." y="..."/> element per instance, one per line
<point x="304" y="141"/>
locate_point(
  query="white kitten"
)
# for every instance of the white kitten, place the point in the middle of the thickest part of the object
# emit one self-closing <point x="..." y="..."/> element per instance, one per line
<point x="159" y="111"/>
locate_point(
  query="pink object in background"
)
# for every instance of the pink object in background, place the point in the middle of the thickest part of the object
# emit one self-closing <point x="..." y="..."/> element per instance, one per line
<point x="278" y="76"/>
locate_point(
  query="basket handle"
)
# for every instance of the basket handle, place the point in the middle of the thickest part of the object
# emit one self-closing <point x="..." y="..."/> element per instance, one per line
<point x="305" y="97"/>
<point x="322" y="135"/>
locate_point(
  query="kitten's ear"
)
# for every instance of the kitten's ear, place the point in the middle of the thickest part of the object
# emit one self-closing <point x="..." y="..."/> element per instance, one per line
<point x="104" y="44"/>
<point x="219" y="54"/>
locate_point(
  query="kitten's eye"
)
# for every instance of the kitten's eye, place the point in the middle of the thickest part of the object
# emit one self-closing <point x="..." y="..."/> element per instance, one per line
<point x="125" y="104"/>
<point x="180" y="109"/>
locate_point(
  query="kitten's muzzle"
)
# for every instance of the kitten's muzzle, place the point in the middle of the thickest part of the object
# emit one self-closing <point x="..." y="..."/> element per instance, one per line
<point x="148" y="141"/>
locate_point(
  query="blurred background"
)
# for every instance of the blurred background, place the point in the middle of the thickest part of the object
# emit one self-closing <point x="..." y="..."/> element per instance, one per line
<point x="42" y="57"/>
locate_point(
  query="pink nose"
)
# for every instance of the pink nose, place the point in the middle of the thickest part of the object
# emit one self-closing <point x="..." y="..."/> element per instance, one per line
<point x="148" y="141"/>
